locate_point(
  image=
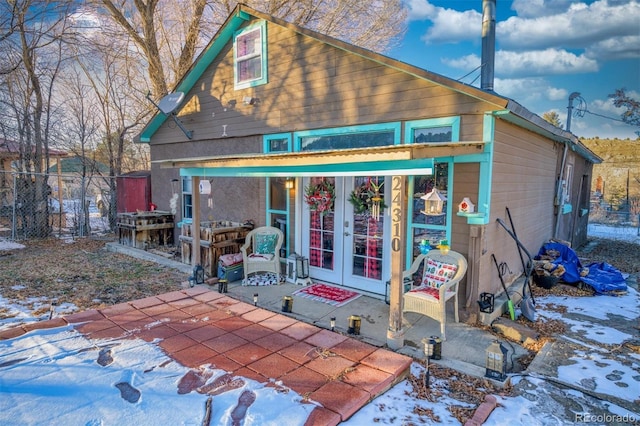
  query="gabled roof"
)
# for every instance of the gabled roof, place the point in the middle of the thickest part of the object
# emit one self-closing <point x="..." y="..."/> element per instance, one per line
<point x="11" y="149"/>
<point x="507" y="108"/>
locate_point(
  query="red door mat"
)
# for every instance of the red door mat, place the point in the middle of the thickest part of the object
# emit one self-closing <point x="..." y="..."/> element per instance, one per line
<point x="327" y="294"/>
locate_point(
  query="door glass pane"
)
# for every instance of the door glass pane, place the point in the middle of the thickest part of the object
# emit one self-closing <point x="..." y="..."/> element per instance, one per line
<point x="366" y="198"/>
<point x="277" y="193"/>
<point x="321" y="240"/>
<point x="319" y="194"/>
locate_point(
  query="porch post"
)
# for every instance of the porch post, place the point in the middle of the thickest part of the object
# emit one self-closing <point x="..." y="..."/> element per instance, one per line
<point x="195" y="245"/>
<point x="395" y="334"/>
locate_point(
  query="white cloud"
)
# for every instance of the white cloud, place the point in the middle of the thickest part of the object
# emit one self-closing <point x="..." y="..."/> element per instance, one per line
<point x="556" y="94"/>
<point x="626" y="47"/>
<point x="448" y="25"/>
<point x="579" y="26"/>
<point x="542" y="62"/>
<point x="420" y="10"/>
<point x="532" y="63"/>
<point x="528" y="90"/>
<point x="537" y="8"/>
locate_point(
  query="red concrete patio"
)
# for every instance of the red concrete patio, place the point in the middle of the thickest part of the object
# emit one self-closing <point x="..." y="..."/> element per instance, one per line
<point x="198" y="326"/>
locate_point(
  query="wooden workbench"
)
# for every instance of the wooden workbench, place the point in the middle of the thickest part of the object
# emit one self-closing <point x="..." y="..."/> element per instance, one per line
<point x="144" y="230"/>
<point x="216" y="239"/>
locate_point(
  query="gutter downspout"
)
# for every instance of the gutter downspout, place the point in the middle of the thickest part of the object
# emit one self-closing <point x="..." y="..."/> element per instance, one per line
<point x="559" y="192"/>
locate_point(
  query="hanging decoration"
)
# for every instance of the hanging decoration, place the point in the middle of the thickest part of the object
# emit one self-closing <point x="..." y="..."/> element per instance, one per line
<point x="367" y="199"/>
<point x="320" y="197"/>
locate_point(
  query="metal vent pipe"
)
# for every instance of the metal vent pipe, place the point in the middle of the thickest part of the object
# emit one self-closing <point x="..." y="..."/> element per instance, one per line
<point x="488" y="44"/>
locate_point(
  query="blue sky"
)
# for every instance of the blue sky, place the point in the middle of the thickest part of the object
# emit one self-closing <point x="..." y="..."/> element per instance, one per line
<point x="545" y="50"/>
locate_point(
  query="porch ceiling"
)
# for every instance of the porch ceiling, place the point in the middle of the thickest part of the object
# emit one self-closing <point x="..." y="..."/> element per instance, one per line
<point x="392" y="160"/>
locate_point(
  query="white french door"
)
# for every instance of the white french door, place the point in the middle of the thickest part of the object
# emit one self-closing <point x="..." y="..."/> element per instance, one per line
<point x="348" y="245"/>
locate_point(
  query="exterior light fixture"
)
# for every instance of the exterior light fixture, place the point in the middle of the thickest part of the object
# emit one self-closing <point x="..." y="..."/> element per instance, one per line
<point x="354" y="324"/>
<point x="289" y="183"/>
<point x="332" y="322"/>
<point x="429" y="346"/>
<point x="433" y="203"/>
<point x="287" y="304"/>
<point x="496" y="361"/>
<point x="302" y="271"/>
<point x="222" y="285"/>
<point x="248" y="100"/>
<point x="198" y="274"/>
<point x="255" y="299"/>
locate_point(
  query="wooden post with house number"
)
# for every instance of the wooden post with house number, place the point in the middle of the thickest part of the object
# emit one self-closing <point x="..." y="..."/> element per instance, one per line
<point x="395" y="334"/>
<point x="195" y="197"/>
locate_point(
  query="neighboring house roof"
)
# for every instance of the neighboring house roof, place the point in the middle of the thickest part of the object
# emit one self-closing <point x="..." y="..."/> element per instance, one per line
<point x="74" y="165"/>
<point x="11" y="149"/>
<point x="506" y="108"/>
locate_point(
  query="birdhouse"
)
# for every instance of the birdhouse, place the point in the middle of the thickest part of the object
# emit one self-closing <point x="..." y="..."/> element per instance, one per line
<point x="466" y="206"/>
<point x="433" y="203"/>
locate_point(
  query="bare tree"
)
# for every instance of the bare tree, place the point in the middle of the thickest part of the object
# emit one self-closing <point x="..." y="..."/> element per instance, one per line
<point x="110" y="70"/>
<point x="170" y="34"/>
<point x="34" y="49"/>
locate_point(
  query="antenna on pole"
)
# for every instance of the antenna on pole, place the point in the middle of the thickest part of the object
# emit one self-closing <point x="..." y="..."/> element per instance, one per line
<point x="570" y="109"/>
<point x="168" y="106"/>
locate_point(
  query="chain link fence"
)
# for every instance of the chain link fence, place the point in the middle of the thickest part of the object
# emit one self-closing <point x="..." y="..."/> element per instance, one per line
<point x="623" y="214"/>
<point x="36" y="205"/>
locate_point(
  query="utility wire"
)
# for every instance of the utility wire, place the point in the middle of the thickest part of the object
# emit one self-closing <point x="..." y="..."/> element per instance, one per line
<point x="581" y="109"/>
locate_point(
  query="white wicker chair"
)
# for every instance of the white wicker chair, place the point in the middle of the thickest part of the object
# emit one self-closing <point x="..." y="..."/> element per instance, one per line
<point x="261" y="251"/>
<point x="429" y="304"/>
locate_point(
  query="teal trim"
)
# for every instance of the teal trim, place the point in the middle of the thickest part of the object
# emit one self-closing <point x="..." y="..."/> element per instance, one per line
<point x="391" y="167"/>
<point x="267" y="138"/>
<point x="394" y="126"/>
<point x="201" y="64"/>
<point x="567" y="208"/>
<point x="486" y="173"/>
<point x="263" y="56"/>
<point x="454" y="122"/>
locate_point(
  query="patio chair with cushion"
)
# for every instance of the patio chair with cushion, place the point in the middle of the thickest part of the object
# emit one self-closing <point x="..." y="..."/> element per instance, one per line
<point x="261" y="251"/>
<point x="441" y="274"/>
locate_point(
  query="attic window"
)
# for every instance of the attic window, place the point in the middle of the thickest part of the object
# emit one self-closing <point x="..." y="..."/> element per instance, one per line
<point x="250" y="56"/>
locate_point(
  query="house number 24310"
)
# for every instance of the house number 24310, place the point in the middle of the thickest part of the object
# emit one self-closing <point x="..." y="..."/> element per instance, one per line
<point x="396" y="212"/>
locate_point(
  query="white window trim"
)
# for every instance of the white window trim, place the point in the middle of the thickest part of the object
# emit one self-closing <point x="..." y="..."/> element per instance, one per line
<point x="261" y="27"/>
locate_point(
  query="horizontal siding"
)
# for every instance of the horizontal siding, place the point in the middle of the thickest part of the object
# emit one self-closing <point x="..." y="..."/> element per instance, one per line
<point x="311" y="85"/>
<point x="524" y="176"/>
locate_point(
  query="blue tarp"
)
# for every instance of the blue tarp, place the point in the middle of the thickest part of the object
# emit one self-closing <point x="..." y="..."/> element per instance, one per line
<point x="602" y="277"/>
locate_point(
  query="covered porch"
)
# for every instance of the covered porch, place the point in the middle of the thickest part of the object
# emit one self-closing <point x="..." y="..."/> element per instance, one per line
<point x="396" y="162"/>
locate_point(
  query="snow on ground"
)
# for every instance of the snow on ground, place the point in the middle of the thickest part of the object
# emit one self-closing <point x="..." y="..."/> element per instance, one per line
<point x="619" y="233"/>
<point x="53" y="377"/>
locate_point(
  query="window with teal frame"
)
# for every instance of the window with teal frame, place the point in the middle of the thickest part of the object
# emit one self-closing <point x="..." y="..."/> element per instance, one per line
<point x="383" y="134"/>
<point x="420" y="226"/>
<point x="250" y="56"/>
<point x="279" y="142"/>
<point x="278" y="197"/>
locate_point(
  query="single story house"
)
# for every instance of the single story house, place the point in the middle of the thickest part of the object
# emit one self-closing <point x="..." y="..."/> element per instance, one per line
<point x="340" y="146"/>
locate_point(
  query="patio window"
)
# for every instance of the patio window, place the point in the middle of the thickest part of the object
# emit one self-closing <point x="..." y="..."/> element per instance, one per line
<point x="349" y="137"/>
<point x="280" y="142"/>
<point x="249" y="56"/>
<point x="279" y="196"/>
<point x="187" y="198"/>
<point x="431" y="228"/>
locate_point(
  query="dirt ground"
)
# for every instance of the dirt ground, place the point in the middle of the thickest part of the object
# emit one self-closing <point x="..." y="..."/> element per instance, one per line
<point x="85" y="274"/>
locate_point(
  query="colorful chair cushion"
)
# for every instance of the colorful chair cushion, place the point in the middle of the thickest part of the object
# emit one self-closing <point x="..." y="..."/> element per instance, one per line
<point x="438" y="273"/>
<point x="266" y="243"/>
